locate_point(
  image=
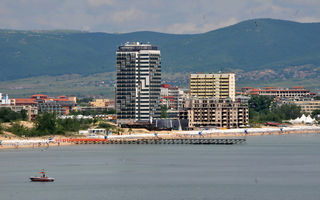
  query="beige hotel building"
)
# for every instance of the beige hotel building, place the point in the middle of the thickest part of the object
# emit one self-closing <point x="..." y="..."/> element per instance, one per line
<point x="219" y="86"/>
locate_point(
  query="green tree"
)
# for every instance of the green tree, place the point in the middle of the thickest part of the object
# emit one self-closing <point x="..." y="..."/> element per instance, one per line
<point x="315" y="113"/>
<point x="24" y="114"/>
<point x="164" y="113"/>
<point x="47" y="124"/>
<point x="263" y="108"/>
<point x="7" y="115"/>
<point x="1" y="129"/>
<point x="260" y="103"/>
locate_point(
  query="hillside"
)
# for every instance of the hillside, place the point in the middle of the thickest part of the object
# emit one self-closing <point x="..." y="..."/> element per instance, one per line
<point x="247" y="46"/>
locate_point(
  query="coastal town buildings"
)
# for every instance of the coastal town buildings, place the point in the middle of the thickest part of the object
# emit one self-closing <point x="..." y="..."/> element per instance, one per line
<point x="211" y="112"/>
<point x="137" y="91"/>
<point x="4" y="100"/>
<point x="172" y="97"/>
<point x="18" y="106"/>
<point x="98" y="106"/>
<point x="292" y="93"/>
<point x="102" y="103"/>
<point x="61" y="105"/>
<point x="212" y="102"/>
<point x="308" y="106"/>
<point x="219" y="86"/>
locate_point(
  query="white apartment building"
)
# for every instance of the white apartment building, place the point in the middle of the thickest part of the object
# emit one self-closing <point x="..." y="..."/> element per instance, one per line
<point x="138" y="81"/>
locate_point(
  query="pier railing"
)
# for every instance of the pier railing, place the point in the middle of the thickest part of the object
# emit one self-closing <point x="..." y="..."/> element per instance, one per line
<point x="223" y="141"/>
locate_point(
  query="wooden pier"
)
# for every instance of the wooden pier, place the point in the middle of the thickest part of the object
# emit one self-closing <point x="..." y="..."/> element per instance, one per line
<point x="201" y="141"/>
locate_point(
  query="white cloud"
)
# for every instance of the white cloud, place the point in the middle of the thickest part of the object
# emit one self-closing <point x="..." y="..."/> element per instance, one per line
<point x="307" y="19"/>
<point x="124" y="16"/>
<point x="98" y="3"/>
<point x="172" y="16"/>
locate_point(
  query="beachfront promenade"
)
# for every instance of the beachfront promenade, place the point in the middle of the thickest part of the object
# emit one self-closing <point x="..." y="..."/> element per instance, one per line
<point x="210" y="136"/>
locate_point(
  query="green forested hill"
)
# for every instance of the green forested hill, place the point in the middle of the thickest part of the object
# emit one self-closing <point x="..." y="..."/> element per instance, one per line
<point x="247" y="46"/>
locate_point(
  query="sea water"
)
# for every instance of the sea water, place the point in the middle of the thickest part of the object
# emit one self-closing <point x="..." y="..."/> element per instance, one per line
<point x="284" y="167"/>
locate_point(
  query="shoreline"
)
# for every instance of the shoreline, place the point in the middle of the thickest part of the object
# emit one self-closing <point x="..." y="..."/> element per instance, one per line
<point x="32" y="145"/>
<point x="210" y="133"/>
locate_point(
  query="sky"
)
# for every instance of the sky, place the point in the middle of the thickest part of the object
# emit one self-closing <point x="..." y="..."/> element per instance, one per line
<point x="168" y="16"/>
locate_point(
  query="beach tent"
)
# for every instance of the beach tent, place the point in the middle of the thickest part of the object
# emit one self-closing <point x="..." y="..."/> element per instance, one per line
<point x="303" y="120"/>
<point x="309" y="120"/>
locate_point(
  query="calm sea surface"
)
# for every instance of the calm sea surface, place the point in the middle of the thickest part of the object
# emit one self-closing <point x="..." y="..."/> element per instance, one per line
<point x="266" y="167"/>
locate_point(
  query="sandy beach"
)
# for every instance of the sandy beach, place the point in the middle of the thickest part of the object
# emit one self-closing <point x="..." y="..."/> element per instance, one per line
<point x="15" y="143"/>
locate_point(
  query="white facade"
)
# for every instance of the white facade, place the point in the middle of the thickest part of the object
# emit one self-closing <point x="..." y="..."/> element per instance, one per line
<point x="4" y="100"/>
<point x="138" y="83"/>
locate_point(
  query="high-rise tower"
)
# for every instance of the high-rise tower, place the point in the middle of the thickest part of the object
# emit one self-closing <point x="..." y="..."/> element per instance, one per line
<point x="138" y="83"/>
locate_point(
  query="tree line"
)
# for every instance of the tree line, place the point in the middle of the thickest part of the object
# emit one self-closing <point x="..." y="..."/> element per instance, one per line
<point x="48" y="124"/>
<point x="264" y="108"/>
<point x="7" y="115"/>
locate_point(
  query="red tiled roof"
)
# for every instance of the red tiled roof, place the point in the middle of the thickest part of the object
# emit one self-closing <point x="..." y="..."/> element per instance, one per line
<point x="165" y="85"/>
<point x="25" y="101"/>
<point x="168" y="97"/>
<point x="60" y="99"/>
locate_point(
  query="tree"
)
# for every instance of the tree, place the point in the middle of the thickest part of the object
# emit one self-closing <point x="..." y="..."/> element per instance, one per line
<point x="24" y="114"/>
<point x="315" y="113"/>
<point x="1" y="129"/>
<point x="262" y="109"/>
<point x="260" y="103"/>
<point x="164" y="113"/>
<point x="7" y="115"/>
<point x="47" y="123"/>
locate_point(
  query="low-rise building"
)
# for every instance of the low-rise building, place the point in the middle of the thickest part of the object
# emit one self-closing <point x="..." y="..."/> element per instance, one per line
<point x="18" y="106"/>
<point x="4" y="100"/>
<point x="171" y="96"/>
<point x="308" y="106"/>
<point x="211" y="112"/>
<point x="295" y="92"/>
<point x="61" y="105"/>
<point x="102" y="103"/>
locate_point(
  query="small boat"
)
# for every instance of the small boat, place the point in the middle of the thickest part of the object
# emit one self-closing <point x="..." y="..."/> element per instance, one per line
<point x="41" y="178"/>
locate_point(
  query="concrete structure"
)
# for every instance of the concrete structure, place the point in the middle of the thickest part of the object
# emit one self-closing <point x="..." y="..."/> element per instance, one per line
<point x="308" y="106"/>
<point x="61" y="105"/>
<point x="102" y="103"/>
<point x="219" y="86"/>
<point x="137" y="91"/>
<point x="295" y="92"/>
<point x="209" y="112"/>
<point x="4" y="100"/>
<point x="172" y="97"/>
<point x="32" y="111"/>
<point x="18" y="106"/>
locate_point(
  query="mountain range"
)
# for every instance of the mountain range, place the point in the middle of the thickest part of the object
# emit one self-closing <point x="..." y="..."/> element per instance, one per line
<point x="258" y="49"/>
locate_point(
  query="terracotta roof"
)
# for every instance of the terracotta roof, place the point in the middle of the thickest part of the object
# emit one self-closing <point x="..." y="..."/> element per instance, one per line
<point x="168" y="97"/>
<point x="25" y="101"/>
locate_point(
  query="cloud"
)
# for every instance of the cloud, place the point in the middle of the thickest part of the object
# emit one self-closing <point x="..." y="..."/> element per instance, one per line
<point x="171" y="16"/>
<point x="97" y="3"/>
<point x="124" y="16"/>
<point x="307" y="19"/>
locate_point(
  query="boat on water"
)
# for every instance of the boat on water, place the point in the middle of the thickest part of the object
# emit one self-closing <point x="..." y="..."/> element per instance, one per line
<point x="41" y="178"/>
